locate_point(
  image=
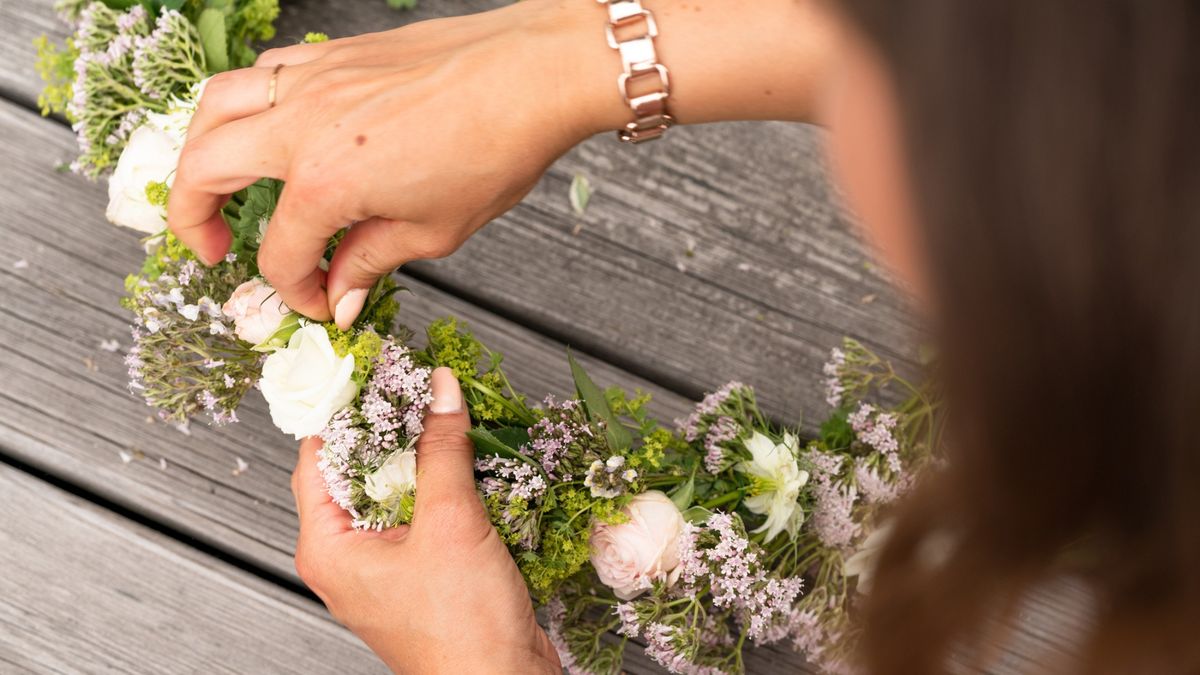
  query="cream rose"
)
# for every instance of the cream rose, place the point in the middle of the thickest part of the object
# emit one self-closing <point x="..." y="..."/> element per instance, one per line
<point x="256" y="311"/>
<point x="307" y="382"/>
<point x="397" y="476"/>
<point x="631" y="556"/>
<point x="150" y="157"/>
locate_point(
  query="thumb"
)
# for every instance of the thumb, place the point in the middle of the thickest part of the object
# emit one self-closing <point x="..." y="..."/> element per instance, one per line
<point x="445" y="456"/>
<point x="319" y="516"/>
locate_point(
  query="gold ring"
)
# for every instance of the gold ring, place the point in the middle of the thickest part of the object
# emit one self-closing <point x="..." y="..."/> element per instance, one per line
<point x="273" y="85"/>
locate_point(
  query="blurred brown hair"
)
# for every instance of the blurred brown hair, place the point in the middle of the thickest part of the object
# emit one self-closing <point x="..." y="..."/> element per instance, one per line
<point x="1054" y="150"/>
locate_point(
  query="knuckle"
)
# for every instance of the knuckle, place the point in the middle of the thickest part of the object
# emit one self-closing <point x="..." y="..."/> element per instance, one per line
<point x="269" y="265"/>
<point x="219" y="84"/>
<point x="372" y="260"/>
<point x="270" y="57"/>
<point x="434" y="247"/>
<point x="458" y="520"/>
<point x="435" y="441"/>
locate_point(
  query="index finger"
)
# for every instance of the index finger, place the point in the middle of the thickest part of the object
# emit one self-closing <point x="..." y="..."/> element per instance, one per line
<point x="214" y="166"/>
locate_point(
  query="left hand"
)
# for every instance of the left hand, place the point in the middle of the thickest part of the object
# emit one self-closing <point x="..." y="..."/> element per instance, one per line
<point x="440" y="595"/>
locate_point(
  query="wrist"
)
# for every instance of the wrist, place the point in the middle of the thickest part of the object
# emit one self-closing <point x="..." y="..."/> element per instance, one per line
<point x="728" y="60"/>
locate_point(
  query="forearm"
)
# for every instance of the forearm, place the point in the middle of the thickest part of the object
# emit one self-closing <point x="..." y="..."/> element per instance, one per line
<point x="728" y="60"/>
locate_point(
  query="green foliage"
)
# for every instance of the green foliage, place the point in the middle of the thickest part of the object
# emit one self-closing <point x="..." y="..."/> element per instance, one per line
<point x="364" y="346"/>
<point x="211" y="26"/>
<point x="569" y="513"/>
<point x="315" y="38"/>
<point x="836" y="431"/>
<point x="244" y="23"/>
<point x="402" y="4"/>
<point x="169" y="253"/>
<point x="454" y="348"/>
<point x="382" y="307"/>
<point x="157" y="193"/>
<point x="489" y="396"/>
<point x="56" y="66"/>
<point x="654" y="449"/>
<point x="251" y="211"/>
<point x="580" y="194"/>
<point x="596" y="403"/>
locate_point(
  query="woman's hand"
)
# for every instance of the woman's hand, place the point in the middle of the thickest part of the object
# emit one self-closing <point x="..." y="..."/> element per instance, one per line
<point x="421" y="135"/>
<point x="441" y="595"/>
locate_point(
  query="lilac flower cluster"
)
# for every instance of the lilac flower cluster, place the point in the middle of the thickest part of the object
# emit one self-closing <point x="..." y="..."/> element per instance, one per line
<point x="834" y="389"/>
<point x="176" y="308"/>
<point x="563" y="441"/>
<point x="812" y="636"/>
<point x="556" y="614"/>
<point x="664" y="644"/>
<point x="875" y="488"/>
<point x="169" y="56"/>
<point x="881" y="477"/>
<point x="510" y="478"/>
<point x="359" y="438"/>
<point x="833" y="514"/>
<point x="395" y="398"/>
<point x="716" y="420"/>
<point x="720" y="556"/>
<point x="876" y="429"/>
<point x="128" y="66"/>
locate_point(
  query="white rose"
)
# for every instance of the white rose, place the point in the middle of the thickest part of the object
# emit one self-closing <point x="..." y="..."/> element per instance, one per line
<point x="631" y="556"/>
<point x="256" y="311"/>
<point x="778" y="482"/>
<point x="307" y="382"/>
<point x="397" y="476"/>
<point x="150" y="156"/>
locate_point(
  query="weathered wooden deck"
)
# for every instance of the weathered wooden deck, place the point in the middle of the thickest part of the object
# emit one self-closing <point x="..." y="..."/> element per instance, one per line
<point x="717" y="254"/>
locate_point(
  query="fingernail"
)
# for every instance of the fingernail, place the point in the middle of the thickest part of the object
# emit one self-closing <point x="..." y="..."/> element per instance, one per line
<point x="447" y="395"/>
<point x="348" y="307"/>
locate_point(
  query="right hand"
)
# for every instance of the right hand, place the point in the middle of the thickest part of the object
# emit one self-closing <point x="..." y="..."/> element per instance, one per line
<point x="421" y="135"/>
<point x="418" y="136"/>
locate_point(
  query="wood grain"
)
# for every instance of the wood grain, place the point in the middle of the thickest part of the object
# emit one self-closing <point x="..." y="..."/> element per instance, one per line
<point x="718" y="254"/>
<point x="64" y="407"/>
<point x="85" y="590"/>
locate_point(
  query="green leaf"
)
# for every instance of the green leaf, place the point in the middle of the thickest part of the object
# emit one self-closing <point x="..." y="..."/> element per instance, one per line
<point x="279" y="339"/>
<point x="259" y="201"/>
<point x="513" y="437"/>
<point x="211" y="26"/>
<point x="581" y="192"/>
<point x="593" y="399"/>
<point x="682" y="495"/>
<point x="498" y="442"/>
<point x="697" y="515"/>
<point x="836" y="432"/>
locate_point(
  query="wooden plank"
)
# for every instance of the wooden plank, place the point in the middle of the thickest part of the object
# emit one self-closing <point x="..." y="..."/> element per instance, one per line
<point x="63" y="403"/>
<point x="67" y="408"/>
<point x="739" y="282"/>
<point x="87" y="590"/>
<point x="719" y="254"/>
